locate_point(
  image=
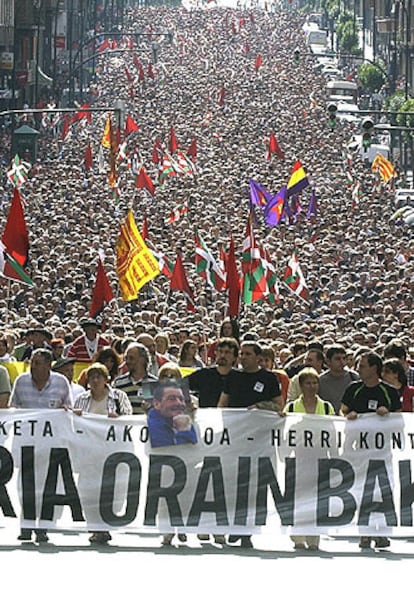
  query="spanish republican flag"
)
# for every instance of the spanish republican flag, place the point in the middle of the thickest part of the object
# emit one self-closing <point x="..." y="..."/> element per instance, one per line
<point x="384" y="167"/>
<point x="135" y="265"/>
<point x="298" y="179"/>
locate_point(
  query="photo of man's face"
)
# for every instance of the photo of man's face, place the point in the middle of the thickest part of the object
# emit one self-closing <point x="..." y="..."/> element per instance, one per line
<point x="170" y="417"/>
<point x="172" y="402"/>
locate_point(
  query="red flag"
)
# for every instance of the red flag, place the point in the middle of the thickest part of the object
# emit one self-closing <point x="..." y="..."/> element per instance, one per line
<point x="15" y="237"/>
<point x="144" y="181"/>
<point x="222" y="96"/>
<point x="128" y="74"/>
<point x="150" y="71"/>
<point x="105" y="44"/>
<point x="130" y="43"/>
<point x="114" y="45"/>
<point x="258" y="62"/>
<point x="232" y="282"/>
<point x="246" y="48"/>
<point x="144" y="229"/>
<point x="102" y="292"/>
<point x="141" y="75"/>
<point x="274" y="148"/>
<point x="135" y="60"/>
<point x="65" y="129"/>
<point x="173" y="141"/>
<point x="88" y="158"/>
<point x="179" y="282"/>
<point x="131" y="93"/>
<point x="130" y="126"/>
<point x="192" y="150"/>
<point x="156" y="155"/>
<point x="79" y="115"/>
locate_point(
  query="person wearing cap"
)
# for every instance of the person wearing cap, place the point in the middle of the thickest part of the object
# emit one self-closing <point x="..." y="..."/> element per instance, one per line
<point x="86" y="345"/>
<point x="65" y="366"/>
<point x="40" y="389"/>
<point x="39" y="339"/>
<point x="57" y="346"/>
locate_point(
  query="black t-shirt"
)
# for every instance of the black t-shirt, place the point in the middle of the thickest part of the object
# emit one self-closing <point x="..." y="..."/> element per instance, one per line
<point x="362" y="399"/>
<point x="208" y="383"/>
<point x="248" y="388"/>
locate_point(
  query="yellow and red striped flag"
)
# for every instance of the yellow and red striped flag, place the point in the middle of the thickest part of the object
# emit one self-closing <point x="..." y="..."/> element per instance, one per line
<point x="135" y="265"/>
<point x="384" y="167"/>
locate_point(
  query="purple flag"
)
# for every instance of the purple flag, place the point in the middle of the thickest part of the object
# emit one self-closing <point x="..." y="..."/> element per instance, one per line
<point x="312" y="208"/>
<point x="273" y="212"/>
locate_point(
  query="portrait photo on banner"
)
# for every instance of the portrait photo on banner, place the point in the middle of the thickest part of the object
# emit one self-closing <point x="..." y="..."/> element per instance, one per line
<point x="170" y="415"/>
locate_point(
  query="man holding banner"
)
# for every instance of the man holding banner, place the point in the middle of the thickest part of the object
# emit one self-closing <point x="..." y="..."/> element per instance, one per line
<point x="252" y="388"/>
<point x="370" y="394"/>
<point x="40" y="389"/>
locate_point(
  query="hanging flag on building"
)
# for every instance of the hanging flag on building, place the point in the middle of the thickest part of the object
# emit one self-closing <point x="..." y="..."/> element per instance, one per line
<point x="136" y="265"/>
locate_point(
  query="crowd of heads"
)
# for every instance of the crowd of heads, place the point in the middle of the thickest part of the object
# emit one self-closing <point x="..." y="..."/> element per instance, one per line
<point x="358" y="264"/>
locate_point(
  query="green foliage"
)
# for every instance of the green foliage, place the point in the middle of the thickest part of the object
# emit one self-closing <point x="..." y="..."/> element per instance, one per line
<point x="347" y="39"/>
<point x="393" y="104"/>
<point x="407" y="120"/>
<point x="371" y="77"/>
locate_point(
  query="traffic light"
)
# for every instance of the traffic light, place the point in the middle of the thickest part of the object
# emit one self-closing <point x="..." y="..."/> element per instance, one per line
<point x="367" y="129"/>
<point x="332" y="108"/>
<point x="296" y="56"/>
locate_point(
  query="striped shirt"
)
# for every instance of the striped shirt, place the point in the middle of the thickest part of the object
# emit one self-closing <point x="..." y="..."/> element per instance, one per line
<point x="117" y="401"/>
<point x="134" y="389"/>
<point x="55" y="394"/>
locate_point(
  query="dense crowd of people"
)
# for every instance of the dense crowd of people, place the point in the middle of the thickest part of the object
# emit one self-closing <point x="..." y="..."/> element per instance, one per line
<point x="357" y="263"/>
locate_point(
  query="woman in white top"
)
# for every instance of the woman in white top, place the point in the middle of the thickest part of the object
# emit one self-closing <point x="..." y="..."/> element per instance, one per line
<point x="101" y="399"/>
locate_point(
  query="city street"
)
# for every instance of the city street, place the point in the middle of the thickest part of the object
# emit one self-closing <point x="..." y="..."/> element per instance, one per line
<point x="69" y="566"/>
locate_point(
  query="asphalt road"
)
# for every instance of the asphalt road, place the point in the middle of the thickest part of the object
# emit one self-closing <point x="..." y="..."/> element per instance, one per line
<point x="69" y="568"/>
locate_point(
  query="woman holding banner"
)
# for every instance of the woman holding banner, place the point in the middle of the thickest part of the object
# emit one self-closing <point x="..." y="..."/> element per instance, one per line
<point x="308" y="403"/>
<point x="101" y="399"/>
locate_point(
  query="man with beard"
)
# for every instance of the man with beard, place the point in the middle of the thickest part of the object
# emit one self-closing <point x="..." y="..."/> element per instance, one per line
<point x="208" y="383"/>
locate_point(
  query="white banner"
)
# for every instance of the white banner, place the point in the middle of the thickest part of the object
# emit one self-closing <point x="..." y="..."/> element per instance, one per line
<point x="249" y="472"/>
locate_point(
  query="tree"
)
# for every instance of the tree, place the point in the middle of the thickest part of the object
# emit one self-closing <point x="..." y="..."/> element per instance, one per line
<point x="393" y="104"/>
<point x="347" y="34"/>
<point x="407" y="120"/>
<point x="371" y="77"/>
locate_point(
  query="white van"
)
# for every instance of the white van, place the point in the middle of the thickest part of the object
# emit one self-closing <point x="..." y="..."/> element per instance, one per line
<point x="342" y="90"/>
